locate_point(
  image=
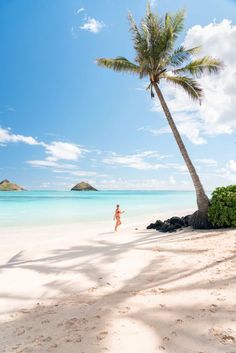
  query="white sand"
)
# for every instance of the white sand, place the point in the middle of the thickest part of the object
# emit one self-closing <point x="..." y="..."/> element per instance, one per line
<point x="75" y="290"/>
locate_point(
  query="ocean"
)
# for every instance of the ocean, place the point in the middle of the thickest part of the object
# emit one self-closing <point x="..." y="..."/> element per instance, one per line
<point x="37" y="208"/>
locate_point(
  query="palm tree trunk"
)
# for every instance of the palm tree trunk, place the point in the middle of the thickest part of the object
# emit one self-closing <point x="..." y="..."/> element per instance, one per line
<point x="202" y="199"/>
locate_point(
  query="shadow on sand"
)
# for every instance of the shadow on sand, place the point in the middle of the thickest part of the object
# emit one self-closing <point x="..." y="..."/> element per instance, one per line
<point x="91" y="321"/>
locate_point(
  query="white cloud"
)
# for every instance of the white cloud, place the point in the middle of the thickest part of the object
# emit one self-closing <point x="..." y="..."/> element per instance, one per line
<point x="82" y="173"/>
<point x="51" y="164"/>
<point x="55" y="185"/>
<point x="42" y="163"/>
<point x="153" y="3"/>
<point x="136" y="161"/>
<point x="231" y="165"/>
<point x="209" y="162"/>
<point x="79" y="11"/>
<point x="217" y="114"/>
<point x="63" y="151"/>
<point x="172" y="180"/>
<point x="182" y="168"/>
<point x="6" y="136"/>
<point x="92" y="25"/>
<point x="145" y="184"/>
<point x="55" y="151"/>
<point x="56" y="167"/>
<point x="227" y="175"/>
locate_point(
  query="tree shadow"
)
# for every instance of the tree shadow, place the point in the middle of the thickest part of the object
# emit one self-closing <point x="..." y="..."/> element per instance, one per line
<point x="162" y="298"/>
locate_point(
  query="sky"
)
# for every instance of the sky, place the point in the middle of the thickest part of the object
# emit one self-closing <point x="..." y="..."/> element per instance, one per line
<point x="63" y="119"/>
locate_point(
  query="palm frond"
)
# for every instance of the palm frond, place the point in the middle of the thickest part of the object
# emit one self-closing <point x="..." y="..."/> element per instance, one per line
<point x="119" y="64"/>
<point x="139" y="40"/>
<point x="181" y="54"/>
<point x="198" y="67"/>
<point x="172" y="26"/>
<point x="177" y="22"/>
<point x="191" y="87"/>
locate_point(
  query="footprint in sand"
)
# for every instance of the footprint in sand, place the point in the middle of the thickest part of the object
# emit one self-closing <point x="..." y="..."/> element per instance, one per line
<point x="20" y="331"/>
<point x="45" y="322"/>
<point x="213" y="308"/>
<point x="225" y="337"/>
<point x="25" y="311"/>
<point x="78" y="339"/>
<point x="174" y="333"/>
<point x="73" y="322"/>
<point x="189" y="317"/>
<point x="38" y="339"/>
<point x="166" y="339"/>
<point x="15" y="347"/>
<point x="221" y="299"/>
<point x="102" y="335"/>
<point x="124" y="310"/>
<point x="162" y="348"/>
<point x="53" y="346"/>
<point x="157" y="291"/>
<point x="179" y="321"/>
<point x="93" y="289"/>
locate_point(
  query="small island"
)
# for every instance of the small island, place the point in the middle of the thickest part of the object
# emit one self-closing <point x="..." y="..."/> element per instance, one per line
<point x="6" y="185"/>
<point x="83" y="187"/>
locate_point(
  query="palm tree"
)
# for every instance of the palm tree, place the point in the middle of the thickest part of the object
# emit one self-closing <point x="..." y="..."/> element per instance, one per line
<point x="157" y="58"/>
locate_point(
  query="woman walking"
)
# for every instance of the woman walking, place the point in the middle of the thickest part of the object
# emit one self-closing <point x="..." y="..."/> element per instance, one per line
<point x="116" y="217"/>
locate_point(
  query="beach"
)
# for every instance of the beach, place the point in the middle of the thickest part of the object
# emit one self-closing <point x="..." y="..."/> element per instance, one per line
<point x="73" y="288"/>
<point x="118" y="177"/>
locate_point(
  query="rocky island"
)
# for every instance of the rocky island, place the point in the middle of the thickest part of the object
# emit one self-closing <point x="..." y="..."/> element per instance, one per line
<point x="6" y="185"/>
<point x="83" y="187"/>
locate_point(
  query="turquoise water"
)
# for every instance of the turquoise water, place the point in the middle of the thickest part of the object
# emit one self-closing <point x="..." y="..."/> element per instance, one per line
<point x="64" y="207"/>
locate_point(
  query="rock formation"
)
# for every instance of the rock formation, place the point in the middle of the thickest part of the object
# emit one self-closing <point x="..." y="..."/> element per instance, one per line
<point x="83" y="187"/>
<point x="171" y="225"/>
<point x="6" y="185"/>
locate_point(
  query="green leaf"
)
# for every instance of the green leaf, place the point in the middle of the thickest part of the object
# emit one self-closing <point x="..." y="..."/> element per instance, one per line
<point x="119" y="64"/>
<point x="191" y="87"/>
<point x="198" y="67"/>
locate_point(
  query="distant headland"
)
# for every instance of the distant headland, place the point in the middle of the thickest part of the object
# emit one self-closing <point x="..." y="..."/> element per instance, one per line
<point x="83" y="187"/>
<point x="6" y="185"/>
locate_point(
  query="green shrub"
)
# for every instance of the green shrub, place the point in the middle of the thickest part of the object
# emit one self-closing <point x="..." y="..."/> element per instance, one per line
<point x="222" y="210"/>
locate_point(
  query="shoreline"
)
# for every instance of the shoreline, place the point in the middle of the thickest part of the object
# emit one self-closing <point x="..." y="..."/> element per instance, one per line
<point x="68" y="289"/>
<point x="145" y="216"/>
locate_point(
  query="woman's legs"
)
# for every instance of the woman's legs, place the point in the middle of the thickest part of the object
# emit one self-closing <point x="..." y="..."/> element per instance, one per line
<point x="118" y="223"/>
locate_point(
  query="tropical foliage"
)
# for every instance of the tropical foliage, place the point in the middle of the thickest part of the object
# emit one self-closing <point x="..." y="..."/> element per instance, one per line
<point x="157" y="58"/>
<point x="222" y="210"/>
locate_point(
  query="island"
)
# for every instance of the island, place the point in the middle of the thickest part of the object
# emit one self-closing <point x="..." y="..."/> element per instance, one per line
<point x="6" y="185"/>
<point x="83" y="187"/>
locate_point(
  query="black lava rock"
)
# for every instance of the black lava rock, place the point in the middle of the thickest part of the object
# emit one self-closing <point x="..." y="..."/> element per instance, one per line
<point x="176" y="220"/>
<point x="171" y="225"/>
<point x="151" y="226"/>
<point x="155" y="225"/>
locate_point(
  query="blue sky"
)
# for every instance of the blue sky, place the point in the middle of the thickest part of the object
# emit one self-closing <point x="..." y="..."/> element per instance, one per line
<point x="63" y="119"/>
